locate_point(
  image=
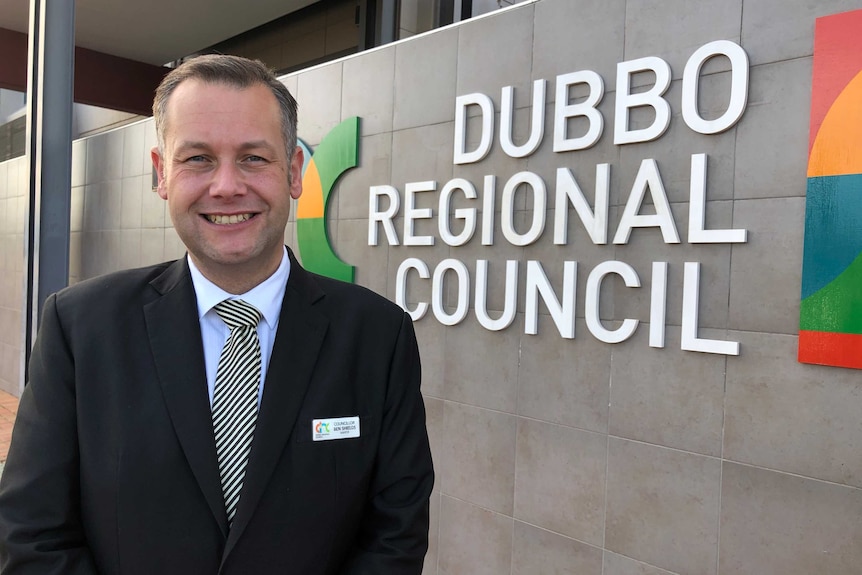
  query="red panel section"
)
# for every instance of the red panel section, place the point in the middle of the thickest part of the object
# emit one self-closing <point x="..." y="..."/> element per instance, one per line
<point x="100" y="79"/>
<point x="827" y="348"/>
<point x="837" y="59"/>
<point x="116" y="83"/>
<point x="13" y="60"/>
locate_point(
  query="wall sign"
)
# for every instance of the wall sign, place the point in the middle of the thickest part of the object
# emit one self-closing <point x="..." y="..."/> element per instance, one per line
<point x="458" y="226"/>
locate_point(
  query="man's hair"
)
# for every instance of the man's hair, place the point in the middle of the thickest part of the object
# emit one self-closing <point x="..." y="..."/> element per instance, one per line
<point x="230" y="71"/>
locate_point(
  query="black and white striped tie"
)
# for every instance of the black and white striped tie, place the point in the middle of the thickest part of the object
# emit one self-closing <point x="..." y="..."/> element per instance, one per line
<point x="235" y="397"/>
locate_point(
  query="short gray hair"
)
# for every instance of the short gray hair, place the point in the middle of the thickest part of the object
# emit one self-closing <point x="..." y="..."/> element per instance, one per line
<point x="231" y="71"/>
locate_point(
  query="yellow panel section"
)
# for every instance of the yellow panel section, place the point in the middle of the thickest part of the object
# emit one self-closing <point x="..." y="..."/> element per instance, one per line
<point x="837" y="150"/>
<point x="310" y="203"/>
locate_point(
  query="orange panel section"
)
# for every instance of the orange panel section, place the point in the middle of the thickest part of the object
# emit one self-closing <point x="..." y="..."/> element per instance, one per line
<point x="837" y="149"/>
<point x="310" y="204"/>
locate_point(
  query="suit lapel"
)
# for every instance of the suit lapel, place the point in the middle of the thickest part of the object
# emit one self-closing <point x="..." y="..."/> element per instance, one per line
<point x="300" y="334"/>
<point x="175" y="340"/>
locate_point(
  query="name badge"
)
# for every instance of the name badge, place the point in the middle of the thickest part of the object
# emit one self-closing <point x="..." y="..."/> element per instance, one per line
<point x="334" y="428"/>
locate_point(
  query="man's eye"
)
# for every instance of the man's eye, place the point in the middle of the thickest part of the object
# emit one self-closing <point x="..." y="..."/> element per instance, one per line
<point x="196" y="159"/>
<point x="255" y="159"/>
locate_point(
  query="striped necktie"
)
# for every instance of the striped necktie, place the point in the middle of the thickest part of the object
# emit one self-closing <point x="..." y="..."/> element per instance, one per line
<point x="234" y="409"/>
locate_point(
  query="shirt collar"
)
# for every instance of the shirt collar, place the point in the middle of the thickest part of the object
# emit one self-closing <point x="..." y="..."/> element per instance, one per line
<point x="267" y="296"/>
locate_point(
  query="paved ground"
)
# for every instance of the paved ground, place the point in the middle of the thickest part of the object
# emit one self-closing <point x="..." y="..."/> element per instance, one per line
<point x="8" y="409"/>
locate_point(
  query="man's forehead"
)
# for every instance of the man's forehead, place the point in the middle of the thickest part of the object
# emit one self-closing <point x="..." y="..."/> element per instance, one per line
<point x="199" y="88"/>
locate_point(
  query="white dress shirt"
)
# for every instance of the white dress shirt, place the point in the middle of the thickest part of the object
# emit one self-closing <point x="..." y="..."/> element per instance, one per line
<point x="266" y="297"/>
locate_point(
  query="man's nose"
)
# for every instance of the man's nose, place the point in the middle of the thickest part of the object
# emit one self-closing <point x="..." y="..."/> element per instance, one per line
<point x="228" y="180"/>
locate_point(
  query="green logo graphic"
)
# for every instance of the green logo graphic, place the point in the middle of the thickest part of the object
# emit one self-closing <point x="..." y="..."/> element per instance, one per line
<point x="336" y="153"/>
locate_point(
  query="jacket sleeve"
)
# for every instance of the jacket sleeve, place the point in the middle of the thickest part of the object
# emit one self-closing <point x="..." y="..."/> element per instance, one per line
<point x="40" y="513"/>
<point x="393" y="537"/>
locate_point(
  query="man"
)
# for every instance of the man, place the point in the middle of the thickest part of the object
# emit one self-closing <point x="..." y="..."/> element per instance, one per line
<point x="161" y="435"/>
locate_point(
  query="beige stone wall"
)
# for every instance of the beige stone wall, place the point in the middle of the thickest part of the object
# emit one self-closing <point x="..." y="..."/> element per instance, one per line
<point x="13" y="214"/>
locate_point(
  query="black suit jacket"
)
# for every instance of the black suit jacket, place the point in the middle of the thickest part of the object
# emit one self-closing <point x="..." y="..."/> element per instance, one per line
<point x="112" y="467"/>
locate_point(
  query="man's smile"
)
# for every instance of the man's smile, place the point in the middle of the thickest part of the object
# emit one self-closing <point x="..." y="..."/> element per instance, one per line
<point x="228" y="219"/>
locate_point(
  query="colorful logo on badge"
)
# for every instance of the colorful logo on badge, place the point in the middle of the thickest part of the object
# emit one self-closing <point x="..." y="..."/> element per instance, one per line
<point x="336" y="153"/>
<point x="830" y="322"/>
<point x="321" y="427"/>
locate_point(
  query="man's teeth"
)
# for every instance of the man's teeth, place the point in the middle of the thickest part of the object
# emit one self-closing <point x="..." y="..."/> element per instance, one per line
<point x="232" y="219"/>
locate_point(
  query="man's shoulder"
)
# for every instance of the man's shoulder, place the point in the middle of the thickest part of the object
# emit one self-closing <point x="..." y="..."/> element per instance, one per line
<point x="355" y="299"/>
<point x="112" y="286"/>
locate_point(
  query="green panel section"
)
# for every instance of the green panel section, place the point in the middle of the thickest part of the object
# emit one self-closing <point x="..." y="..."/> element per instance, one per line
<point x="837" y="307"/>
<point x="316" y="253"/>
<point x="337" y="153"/>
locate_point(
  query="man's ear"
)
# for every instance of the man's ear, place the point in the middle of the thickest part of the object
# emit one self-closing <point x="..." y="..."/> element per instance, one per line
<point x="296" y="173"/>
<point x="159" y="165"/>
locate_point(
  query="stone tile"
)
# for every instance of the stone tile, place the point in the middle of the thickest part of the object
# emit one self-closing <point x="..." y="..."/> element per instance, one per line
<point x="93" y="207"/>
<point x="775" y="30"/>
<point x="152" y="246"/>
<point x="693" y="24"/>
<point x="291" y="82"/>
<point x="131" y="202"/>
<point x="477" y="461"/>
<point x="563" y="381"/>
<point x="497" y="162"/>
<point x="582" y="163"/>
<point x="646" y="245"/>
<point x="133" y="150"/>
<point x="150" y="142"/>
<point x="538" y="551"/>
<point x="154" y="210"/>
<point x="418" y="290"/>
<point x="673" y="150"/>
<point x="319" y="98"/>
<point x="431" y="336"/>
<point x="662" y="507"/>
<point x="484" y="368"/>
<point x="174" y="248"/>
<point x="778" y="111"/>
<point x="497" y="255"/>
<point x="668" y="397"/>
<point x="367" y="90"/>
<point x="74" y="255"/>
<point x="488" y="57"/>
<point x="473" y="541"/>
<point x="351" y="190"/>
<point x="130" y="249"/>
<point x="777" y="523"/>
<point x="580" y="249"/>
<point x="620" y="565"/>
<point x="113" y="251"/>
<point x="421" y="154"/>
<point x="418" y="101"/>
<point x="560" y="480"/>
<point x="76" y="209"/>
<point x="766" y="272"/>
<point x="105" y="154"/>
<point x="436" y="437"/>
<point x="791" y="416"/>
<point x="430" y="565"/>
<point x="351" y="247"/>
<point x="79" y="163"/>
<point x="110" y="214"/>
<point x="571" y="36"/>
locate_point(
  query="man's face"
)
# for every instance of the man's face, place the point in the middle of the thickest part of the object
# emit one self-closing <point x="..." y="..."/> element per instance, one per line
<point x="225" y="172"/>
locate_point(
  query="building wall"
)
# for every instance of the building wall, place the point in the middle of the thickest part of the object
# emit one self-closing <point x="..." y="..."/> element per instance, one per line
<point x="13" y="213"/>
<point x="559" y="455"/>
